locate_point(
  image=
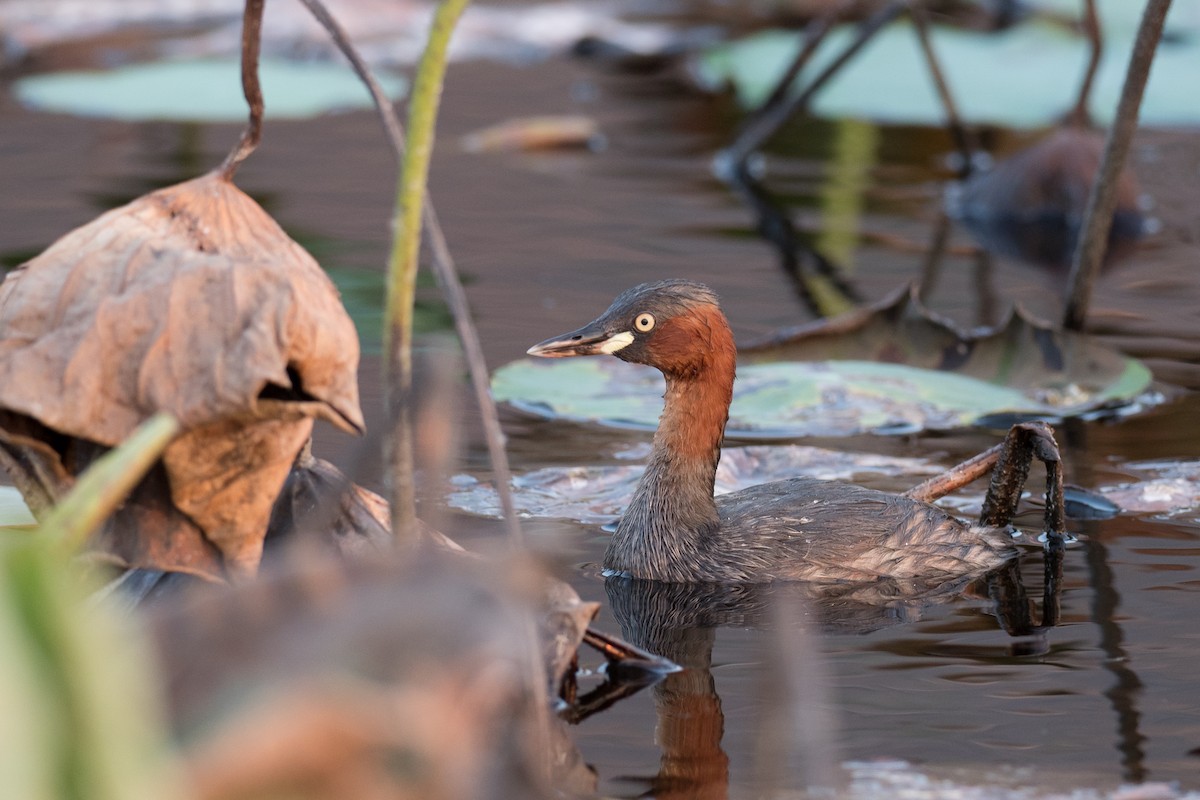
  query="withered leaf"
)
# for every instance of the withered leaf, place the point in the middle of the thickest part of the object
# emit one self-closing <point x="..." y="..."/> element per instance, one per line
<point x="565" y="619"/>
<point x="536" y="133"/>
<point x="1062" y="370"/>
<point x="190" y="300"/>
<point x="321" y="505"/>
<point x="221" y="474"/>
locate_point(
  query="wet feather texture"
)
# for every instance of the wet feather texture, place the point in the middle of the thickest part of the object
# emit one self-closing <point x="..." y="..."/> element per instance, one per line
<point x="798" y="529"/>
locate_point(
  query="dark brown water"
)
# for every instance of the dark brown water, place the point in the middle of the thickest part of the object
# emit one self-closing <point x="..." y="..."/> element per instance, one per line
<point x="545" y="241"/>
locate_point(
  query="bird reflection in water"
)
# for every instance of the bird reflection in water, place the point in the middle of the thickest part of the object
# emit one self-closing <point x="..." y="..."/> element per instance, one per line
<point x="679" y="622"/>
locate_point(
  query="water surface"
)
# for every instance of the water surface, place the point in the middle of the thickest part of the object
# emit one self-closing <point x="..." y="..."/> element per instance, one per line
<point x="545" y="240"/>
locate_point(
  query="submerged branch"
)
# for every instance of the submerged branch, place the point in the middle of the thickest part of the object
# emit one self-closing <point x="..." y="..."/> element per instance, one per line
<point x="1102" y="201"/>
<point x="444" y="270"/>
<point x="251" y="46"/>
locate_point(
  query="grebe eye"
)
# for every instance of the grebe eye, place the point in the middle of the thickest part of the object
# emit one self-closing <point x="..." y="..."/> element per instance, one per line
<point x="644" y="322"/>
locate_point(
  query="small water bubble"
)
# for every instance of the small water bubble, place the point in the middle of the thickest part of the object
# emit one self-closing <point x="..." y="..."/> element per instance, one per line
<point x="1067" y="538"/>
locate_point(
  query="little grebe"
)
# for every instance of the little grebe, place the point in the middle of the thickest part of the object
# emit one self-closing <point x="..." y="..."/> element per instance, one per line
<point x="796" y="529"/>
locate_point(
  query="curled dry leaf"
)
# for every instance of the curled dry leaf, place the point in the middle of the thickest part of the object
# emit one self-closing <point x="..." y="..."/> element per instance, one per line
<point x="1060" y="373"/>
<point x="564" y="621"/>
<point x="190" y="300"/>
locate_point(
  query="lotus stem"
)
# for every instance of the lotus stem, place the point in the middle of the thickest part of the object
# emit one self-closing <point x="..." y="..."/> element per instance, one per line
<point x="1102" y="200"/>
<point x="403" y="262"/>
<point x="446" y="273"/>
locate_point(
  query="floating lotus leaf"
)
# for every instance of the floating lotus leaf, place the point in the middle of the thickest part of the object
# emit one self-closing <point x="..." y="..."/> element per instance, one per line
<point x="890" y="368"/>
<point x="204" y="91"/>
<point x="193" y="301"/>
<point x="998" y="76"/>
<point x="833" y="398"/>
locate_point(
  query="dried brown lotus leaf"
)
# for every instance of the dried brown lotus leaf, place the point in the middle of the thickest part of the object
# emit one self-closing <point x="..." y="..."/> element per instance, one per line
<point x="190" y="300"/>
<point x="320" y="505"/>
<point x="564" y="621"/>
<point x="149" y="532"/>
<point x="226" y="475"/>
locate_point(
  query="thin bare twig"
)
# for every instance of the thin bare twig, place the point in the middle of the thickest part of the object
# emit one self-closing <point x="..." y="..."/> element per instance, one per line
<point x="814" y="34"/>
<point x="1091" y="26"/>
<point x="251" y="46"/>
<point x="444" y="270"/>
<point x="1102" y="201"/>
<point x="769" y="122"/>
<point x="953" y="121"/>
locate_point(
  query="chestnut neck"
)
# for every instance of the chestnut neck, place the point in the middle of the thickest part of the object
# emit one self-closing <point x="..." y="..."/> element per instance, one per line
<point x="672" y="510"/>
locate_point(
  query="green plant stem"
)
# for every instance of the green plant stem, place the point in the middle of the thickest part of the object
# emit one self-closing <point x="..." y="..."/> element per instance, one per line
<point x="445" y="272"/>
<point x="403" y="262"/>
<point x="107" y="482"/>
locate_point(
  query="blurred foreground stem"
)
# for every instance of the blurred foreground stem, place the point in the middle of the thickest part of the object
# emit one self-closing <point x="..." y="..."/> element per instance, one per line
<point x="106" y="483"/>
<point x="403" y="263"/>
<point x="444" y="271"/>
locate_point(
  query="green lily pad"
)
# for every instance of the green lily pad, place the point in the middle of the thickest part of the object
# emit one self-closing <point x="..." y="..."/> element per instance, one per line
<point x="895" y="368"/>
<point x="206" y="90"/>
<point x="1026" y="76"/>
<point x="773" y="400"/>
<point x="821" y="398"/>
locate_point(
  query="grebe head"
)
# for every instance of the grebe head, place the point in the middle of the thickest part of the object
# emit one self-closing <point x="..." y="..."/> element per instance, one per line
<point x="674" y="325"/>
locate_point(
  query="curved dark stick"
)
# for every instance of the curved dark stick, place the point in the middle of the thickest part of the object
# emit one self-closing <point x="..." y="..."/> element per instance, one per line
<point x="1091" y="26"/>
<point x="801" y="262"/>
<point x="768" y="123"/>
<point x="932" y="268"/>
<point x="251" y="46"/>
<point x="957" y="476"/>
<point x="1102" y="200"/>
<point x="1127" y="686"/>
<point x="444" y="271"/>
<point x="1024" y="442"/>
<point x="953" y="121"/>
<point x="814" y="34"/>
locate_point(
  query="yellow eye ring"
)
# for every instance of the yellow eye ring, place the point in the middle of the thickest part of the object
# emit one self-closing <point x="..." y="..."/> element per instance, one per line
<point x="644" y="322"/>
